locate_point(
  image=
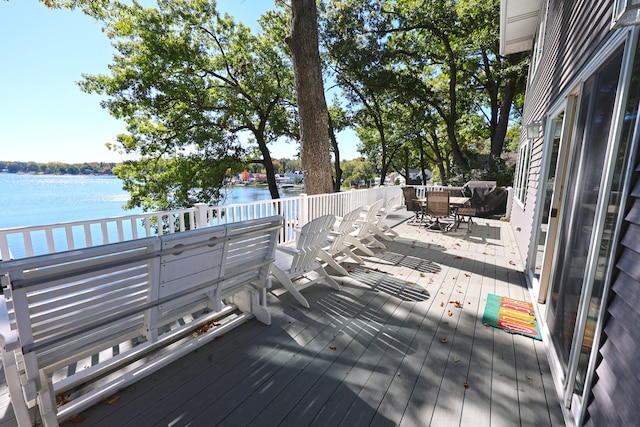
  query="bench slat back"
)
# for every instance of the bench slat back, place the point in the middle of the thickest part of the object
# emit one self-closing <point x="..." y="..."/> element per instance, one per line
<point x="71" y="305"/>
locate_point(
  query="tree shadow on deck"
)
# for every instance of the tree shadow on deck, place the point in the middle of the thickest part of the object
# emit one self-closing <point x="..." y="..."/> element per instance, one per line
<point x="380" y="281"/>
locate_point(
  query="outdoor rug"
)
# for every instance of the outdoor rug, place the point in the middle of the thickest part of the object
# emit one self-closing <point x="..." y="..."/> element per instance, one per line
<point x="514" y="316"/>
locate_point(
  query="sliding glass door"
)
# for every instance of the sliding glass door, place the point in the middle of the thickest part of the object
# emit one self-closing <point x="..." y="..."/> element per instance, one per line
<point x="593" y="179"/>
<point x="582" y="187"/>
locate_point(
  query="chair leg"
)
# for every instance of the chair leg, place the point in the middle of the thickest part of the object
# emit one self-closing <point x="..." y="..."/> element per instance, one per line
<point x="288" y="285"/>
<point x="348" y="253"/>
<point x="378" y="232"/>
<point x="358" y="244"/>
<point x="328" y="279"/>
<point x="326" y="257"/>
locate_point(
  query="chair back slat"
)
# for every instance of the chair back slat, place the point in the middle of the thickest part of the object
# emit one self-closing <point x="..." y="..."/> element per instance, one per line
<point x="438" y="204"/>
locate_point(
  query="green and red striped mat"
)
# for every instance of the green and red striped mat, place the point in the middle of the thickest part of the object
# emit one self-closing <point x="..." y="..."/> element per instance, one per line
<point x="511" y="315"/>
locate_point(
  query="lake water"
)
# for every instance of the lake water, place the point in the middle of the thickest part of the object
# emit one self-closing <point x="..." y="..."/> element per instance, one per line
<point x="27" y="200"/>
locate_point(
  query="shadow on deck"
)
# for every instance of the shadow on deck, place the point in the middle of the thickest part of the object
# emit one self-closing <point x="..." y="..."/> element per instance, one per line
<point x="389" y="349"/>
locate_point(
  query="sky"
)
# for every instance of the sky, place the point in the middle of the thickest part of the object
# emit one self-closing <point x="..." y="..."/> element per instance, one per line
<point x="44" y="116"/>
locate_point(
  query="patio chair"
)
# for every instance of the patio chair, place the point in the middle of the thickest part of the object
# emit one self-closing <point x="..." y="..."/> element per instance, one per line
<point x="412" y="204"/>
<point x="382" y="228"/>
<point x="338" y="251"/>
<point x="365" y="234"/>
<point x="298" y="262"/>
<point x="438" y="208"/>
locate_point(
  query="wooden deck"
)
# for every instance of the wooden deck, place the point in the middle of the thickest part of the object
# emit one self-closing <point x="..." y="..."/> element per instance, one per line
<point x="389" y="349"/>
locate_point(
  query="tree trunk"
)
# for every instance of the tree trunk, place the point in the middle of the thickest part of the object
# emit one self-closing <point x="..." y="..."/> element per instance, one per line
<point x="267" y="162"/>
<point x="336" y="153"/>
<point x="312" y="106"/>
<point x="500" y="131"/>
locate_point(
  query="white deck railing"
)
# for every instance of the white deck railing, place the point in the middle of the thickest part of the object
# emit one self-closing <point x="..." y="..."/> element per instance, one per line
<point x="30" y="241"/>
<point x="36" y="240"/>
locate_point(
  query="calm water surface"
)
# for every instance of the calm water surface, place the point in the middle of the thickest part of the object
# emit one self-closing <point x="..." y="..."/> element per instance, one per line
<point x="27" y="200"/>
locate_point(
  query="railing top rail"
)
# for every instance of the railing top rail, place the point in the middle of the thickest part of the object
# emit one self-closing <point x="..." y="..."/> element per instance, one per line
<point x="29" y="228"/>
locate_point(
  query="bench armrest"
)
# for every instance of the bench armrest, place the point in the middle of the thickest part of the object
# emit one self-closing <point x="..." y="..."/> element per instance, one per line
<point x="8" y="337"/>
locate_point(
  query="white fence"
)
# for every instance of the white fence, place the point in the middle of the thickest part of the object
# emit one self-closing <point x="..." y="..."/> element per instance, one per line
<point x="44" y="239"/>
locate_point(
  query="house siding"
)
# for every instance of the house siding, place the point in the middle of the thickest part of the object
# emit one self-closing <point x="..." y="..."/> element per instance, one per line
<point x="575" y="31"/>
<point x="616" y="387"/>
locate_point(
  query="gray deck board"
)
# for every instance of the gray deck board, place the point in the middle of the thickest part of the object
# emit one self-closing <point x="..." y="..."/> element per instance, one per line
<point x="389" y="366"/>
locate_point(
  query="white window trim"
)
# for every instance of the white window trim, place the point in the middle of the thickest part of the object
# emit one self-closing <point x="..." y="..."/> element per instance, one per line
<point x="521" y="178"/>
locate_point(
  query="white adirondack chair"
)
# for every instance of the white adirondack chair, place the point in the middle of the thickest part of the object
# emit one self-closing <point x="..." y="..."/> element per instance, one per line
<point x="364" y="235"/>
<point x="296" y="266"/>
<point x="382" y="228"/>
<point x="338" y="251"/>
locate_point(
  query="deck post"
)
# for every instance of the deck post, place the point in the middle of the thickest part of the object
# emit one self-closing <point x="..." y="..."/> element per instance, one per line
<point x="303" y="210"/>
<point x="507" y="214"/>
<point x="201" y="215"/>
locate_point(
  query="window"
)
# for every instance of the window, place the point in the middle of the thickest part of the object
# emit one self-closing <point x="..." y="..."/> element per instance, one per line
<point x="522" y="172"/>
<point x="536" y="54"/>
<point x="626" y="12"/>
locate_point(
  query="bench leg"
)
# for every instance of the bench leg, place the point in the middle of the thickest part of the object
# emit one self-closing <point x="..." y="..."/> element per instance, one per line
<point x="47" y="402"/>
<point x="12" y="377"/>
<point x="248" y="301"/>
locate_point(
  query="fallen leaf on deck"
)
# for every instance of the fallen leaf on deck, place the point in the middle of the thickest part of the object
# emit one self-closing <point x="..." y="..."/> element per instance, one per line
<point x="442" y="304"/>
<point x="349" y="271"/>
<point x="466" y="384"/>
<point x="332" y="347"/>
<point x="455" y="359"/>
<point x="443" y="340"/>
<point x="459" y="257"/>
<point x="449" y="313"/>
<point x="421" y="274"/>
<point x="75" y="419"/>
<point x="511" y="262"/>
<point x="456" y="304"/>
<point x="113" y="400"/>
<point x="467" y="274"/>
<point x="61" y="399"/>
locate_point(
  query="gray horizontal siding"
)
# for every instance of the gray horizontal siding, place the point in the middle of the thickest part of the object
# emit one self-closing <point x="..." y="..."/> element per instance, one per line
<point x="574" y="32"/>
<point x="614" y="399"/>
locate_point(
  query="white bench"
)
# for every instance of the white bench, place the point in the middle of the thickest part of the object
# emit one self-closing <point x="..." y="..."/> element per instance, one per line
<point x="77" y="326"/>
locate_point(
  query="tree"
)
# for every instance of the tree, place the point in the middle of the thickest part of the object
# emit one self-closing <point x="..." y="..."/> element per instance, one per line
<point x="189" y="83"/>
<point x="441" y="57"/>
<point x="312" y="107"/>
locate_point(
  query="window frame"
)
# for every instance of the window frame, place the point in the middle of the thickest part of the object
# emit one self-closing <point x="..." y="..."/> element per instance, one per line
<point x="521" y="177"/>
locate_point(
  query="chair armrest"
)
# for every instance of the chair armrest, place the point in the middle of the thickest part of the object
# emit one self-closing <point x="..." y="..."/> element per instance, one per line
<point x="8" y="337"/>
<point x="287" y="249"/>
